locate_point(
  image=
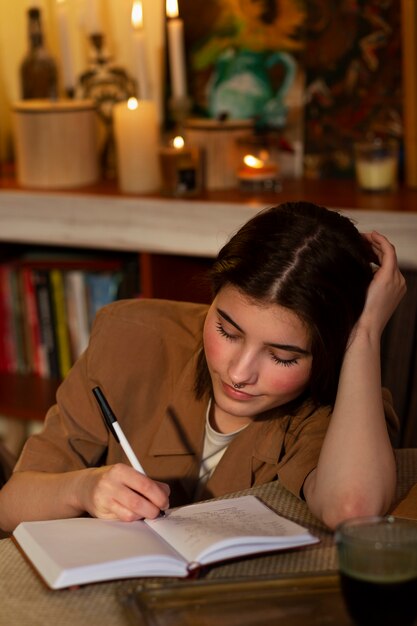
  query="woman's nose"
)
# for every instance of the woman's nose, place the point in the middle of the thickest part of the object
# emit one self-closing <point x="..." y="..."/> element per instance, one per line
<point x="243" y="368"/>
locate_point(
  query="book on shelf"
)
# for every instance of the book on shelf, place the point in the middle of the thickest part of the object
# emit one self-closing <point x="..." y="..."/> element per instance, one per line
<point x="9" y="345"/>
<point x="48" y="300"/>
<point x="102" y="288"/>
<point x="46" y="321"/>
<point x="59" y="310"/>
<point x="35" y="354"/>
<point x="77" y="311"/>
<point x="82" y="550"/>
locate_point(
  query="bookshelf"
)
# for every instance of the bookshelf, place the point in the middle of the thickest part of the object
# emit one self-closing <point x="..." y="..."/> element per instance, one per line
<point x="175" y="240"/>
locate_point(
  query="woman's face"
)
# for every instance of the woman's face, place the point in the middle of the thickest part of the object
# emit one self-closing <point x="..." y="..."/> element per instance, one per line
<point x="264" y="348"/>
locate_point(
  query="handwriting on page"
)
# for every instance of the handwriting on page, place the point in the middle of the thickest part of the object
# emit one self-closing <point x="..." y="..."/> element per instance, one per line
<point x="224" y="523"/>
<point x="194" y="528"/>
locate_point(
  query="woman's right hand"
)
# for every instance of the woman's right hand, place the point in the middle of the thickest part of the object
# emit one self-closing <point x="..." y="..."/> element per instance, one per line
<point x="120" y="492"/>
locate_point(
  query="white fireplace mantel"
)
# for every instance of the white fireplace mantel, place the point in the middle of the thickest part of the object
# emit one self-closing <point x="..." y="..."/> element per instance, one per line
<point x="160" y="225"/>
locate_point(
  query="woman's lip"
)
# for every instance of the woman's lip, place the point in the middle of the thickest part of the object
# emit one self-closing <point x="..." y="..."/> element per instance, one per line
<point x="236" y="393"/>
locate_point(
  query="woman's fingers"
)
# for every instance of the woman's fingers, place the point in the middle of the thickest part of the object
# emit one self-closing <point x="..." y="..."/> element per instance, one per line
<point x="120" y="492"/>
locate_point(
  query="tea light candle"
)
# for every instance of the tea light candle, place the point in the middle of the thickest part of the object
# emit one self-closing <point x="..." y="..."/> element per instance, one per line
<point x="136" y="136"/>
<point x="255" y="175"/>
<point x="175" y="31"/>
<point x="139" y="51"/>
<point x="180" y="167"/>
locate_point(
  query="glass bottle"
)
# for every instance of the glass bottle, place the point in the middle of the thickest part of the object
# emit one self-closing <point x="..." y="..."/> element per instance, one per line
<point x="38" y="71"/>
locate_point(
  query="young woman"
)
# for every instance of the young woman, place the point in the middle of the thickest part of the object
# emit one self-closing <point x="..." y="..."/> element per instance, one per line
<point x="279" y="379"/>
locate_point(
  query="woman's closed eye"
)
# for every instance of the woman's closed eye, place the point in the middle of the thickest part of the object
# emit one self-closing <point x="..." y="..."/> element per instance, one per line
<point x="234" y="337"/>
<point x="284" y="362"/>
<point x="222" y="331"/>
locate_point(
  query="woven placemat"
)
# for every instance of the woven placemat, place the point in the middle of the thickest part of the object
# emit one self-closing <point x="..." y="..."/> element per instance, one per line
<point x="26" y="601"/>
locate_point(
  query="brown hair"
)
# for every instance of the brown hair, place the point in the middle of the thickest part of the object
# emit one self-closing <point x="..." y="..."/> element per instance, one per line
<point x="311" y="260"/>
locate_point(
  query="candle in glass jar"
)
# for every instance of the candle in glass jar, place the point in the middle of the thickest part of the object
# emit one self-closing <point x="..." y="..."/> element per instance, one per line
<point x="137" y="139"/>
<point x="180" y="168"/>
<point x="255" y="169"/>
<point x="175" y="31"/>
<point x="376" y="164"/>
<point x="256" y="175"/>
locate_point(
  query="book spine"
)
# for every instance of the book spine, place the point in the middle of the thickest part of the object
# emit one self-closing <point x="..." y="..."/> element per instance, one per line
<point x="77" y="311"/>
<point x="46" y="321"/>
<point x="9" y="357"/>
<point x="22" y="352"/>
<point x="102" y="289"/>
<point x="33" y="331"/>
<point x="60" y="322"/>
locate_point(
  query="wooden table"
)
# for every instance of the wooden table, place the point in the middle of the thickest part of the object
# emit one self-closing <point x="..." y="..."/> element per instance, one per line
<point x="297" y="587"/>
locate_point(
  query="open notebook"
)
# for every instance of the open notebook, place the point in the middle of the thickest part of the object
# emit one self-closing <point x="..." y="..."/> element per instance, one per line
<point x="77" y="551"/>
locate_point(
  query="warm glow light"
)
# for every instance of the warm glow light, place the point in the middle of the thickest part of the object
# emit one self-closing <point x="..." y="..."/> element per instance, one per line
<point x="178" y="142"/>
<point x="252" y="161"/>
<point x="132" y="104"/>
<point x="137" y="14"/>
<point x="172" y="8"/>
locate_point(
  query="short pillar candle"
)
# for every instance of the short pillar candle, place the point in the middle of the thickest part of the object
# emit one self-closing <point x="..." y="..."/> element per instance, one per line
<point x="137" y="140"/>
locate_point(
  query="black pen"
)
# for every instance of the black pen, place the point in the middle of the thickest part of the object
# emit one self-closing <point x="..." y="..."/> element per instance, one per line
<point x="115" y="429"/>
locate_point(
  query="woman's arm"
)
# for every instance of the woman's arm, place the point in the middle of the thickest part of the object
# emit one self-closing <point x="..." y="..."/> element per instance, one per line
<point x="356" y="472"/>
<point x="110" y="492"/>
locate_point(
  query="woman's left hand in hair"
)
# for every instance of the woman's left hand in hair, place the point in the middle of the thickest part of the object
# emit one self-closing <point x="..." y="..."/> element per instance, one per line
<point x="356" y="474"/>
<point x="387" y="287"/>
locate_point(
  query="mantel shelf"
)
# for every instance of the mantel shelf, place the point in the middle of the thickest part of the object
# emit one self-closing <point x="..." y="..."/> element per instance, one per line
<point x="100" y="217"/>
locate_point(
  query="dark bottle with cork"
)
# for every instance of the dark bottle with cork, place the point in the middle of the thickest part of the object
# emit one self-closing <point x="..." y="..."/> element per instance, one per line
<point x="38" y="71"/>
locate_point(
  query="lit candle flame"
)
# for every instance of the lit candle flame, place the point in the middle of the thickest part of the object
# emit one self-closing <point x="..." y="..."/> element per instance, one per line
<point x="137" y="14"/>
<point x="172" y="8"/>
<point x="252" y="161"/>
<point x="178" y="142"/>
<point x="132" y="104"/>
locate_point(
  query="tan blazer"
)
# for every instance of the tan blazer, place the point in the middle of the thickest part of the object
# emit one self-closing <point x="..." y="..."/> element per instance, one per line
<point x="142" y="353"/>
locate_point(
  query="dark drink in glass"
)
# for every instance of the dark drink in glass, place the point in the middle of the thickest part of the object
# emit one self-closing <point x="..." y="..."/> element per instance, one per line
<point x="378" y="570"/>
<point x="380" y="603"/>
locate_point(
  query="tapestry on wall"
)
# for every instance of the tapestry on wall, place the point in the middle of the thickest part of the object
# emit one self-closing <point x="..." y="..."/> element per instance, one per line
<point x="353" y="79"/>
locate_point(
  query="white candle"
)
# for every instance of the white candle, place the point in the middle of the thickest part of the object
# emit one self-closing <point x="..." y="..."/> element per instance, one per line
<point x="137" y="139"/>
<point x="93" y="23"/>
<point x="175" y="30"/>
<point x="139" y="52"/>
<point x="67" y="61"/>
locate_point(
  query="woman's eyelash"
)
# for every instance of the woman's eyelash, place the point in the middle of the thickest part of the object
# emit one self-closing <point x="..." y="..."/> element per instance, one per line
<point x="223" y="332"/>
<point x="284" y="362"/>
<point x="276" y="359"/>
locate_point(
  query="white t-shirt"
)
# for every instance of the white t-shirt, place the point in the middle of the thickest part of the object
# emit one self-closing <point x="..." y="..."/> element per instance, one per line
<point x="215" y="445"/>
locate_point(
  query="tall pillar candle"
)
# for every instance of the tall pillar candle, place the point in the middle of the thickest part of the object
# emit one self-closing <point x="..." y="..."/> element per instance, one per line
<point x="67" y="61"/>
<point x="137" y="141"/>
<point x="139" y="52"/>
<point x="175" y="31"/>
<point x="92" y="17"/>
